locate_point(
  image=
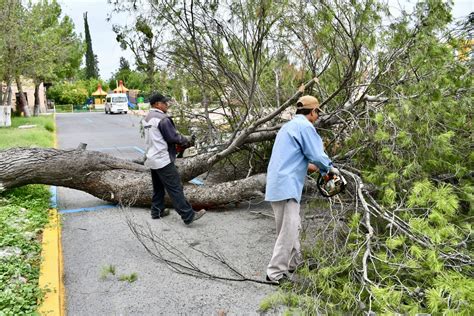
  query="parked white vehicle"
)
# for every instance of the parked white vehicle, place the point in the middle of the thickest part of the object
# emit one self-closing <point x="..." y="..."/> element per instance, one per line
<point x="116" y="103"/>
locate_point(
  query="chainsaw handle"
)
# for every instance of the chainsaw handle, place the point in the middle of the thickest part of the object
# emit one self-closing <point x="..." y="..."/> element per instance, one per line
<point x="322" y="180"/>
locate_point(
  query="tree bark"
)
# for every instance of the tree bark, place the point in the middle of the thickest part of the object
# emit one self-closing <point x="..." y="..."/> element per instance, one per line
<point x="9" y="93"/>
<point x="112" y="179"/>
<point x="36" y="109"/>
<point x="23" y="104"/>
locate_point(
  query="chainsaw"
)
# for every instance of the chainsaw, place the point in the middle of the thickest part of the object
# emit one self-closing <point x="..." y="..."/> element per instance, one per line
<point x="181" y="148"/>
<point x="331" y="184"/>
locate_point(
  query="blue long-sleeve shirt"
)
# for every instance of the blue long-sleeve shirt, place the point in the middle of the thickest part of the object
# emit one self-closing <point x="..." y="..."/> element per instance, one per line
<point x="297" y="143"/>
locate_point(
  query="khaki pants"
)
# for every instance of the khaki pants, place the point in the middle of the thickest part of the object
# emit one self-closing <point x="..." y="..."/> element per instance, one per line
<point x="286" y="253"/>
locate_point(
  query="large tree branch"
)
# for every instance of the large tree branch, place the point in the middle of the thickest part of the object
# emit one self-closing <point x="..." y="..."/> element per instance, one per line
<point x="110" y="178"/>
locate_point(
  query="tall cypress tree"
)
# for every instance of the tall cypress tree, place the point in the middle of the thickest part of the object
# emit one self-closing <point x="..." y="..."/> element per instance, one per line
<point x="92" y="68"/>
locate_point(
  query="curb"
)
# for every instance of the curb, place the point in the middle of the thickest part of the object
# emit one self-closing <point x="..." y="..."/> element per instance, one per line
<point x="51" y="269"/>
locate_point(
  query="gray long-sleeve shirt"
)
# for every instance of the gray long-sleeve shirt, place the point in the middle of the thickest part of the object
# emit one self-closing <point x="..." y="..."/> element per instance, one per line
<point x="161" y="138"/>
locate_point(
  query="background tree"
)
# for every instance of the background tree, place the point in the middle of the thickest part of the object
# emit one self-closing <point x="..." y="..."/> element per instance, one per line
<point x="38" y="45"/>
<point x="132" y="79"/>
<point x="92" y="68"/>
<point x="55" y="44"/>
<point x="16" y="48"/>
<point x="144" y="42"/>
<point x="75" y="92"/>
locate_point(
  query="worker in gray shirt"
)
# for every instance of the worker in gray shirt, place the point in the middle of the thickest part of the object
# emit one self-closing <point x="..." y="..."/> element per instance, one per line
<point x="161" y="138"/>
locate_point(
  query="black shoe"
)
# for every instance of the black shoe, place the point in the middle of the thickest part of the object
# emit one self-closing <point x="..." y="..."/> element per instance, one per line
<point x="197" y="215"/>
<point x="283" y="280"/>
<point x="163" y="213"/>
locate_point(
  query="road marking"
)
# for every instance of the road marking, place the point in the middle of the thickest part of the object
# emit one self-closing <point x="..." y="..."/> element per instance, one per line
<point x="89" y="120"/>
<point x="139" y="149"/>
<point x="53" y="201"/>
<point x="87" y="209"/>
<point x="51" y="269"/>
<point x="118" y="148"/>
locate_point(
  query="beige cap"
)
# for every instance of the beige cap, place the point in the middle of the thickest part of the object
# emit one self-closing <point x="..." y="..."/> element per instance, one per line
<point x="307" y="102"/>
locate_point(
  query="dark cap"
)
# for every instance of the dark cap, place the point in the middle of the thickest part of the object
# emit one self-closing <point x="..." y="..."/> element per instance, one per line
<point x="158" y="98"/>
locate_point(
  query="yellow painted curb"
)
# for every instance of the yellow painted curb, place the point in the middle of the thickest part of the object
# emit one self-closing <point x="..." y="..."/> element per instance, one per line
<point x="51" y="269"/>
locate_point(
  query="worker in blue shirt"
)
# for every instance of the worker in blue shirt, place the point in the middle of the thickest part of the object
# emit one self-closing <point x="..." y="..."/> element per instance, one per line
<point x="298" y="149"/>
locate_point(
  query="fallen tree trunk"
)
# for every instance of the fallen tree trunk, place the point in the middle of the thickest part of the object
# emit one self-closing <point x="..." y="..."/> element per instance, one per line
<point x="113" y="179"/>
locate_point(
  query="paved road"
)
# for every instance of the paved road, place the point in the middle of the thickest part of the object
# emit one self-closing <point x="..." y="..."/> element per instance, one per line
<point x="99" y="236"/>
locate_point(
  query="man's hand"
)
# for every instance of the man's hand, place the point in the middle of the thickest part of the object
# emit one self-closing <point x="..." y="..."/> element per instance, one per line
<point x="312" y="168"/>
<point x="190" y="141"/>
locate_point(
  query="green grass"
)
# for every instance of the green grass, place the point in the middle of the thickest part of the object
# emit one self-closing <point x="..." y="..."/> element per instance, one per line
<point x="39" y="136"/>
<point x="23" y="215"/>
<point x="109" y="269"/>
<point x="130" y="278"/>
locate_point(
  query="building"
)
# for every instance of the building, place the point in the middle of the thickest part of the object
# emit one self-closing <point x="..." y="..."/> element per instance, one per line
<point x="29" y="91"/>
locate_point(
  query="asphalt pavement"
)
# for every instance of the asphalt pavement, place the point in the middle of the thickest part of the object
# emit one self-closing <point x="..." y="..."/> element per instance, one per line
<point x="95" y="235"/>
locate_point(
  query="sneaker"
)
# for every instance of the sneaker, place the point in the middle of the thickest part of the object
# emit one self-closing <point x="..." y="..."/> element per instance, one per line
<point x="163" y="213"/>
<point x="197" y="215"/>
<point x="281" y="281"/>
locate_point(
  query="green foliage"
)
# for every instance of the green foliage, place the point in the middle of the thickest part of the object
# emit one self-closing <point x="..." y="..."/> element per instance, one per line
<point x="75" y="92"/>
<point x="132" y="79"/>
<point x="23" y="214"/>
<point x="50" y="30"/>
<point x="40" y="43"/>
<point x="416" y="152"/>
<point x="68" y="93"/>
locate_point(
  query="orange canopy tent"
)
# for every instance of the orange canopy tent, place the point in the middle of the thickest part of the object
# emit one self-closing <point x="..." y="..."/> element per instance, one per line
<point x="121" y="88"/>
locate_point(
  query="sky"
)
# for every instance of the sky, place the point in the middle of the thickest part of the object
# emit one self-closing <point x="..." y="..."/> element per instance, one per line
<point x="104" y="45"/>
<point x="109" y="52"/>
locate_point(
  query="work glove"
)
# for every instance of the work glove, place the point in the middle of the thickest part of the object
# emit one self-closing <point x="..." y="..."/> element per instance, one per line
<point x="334" y="171"/>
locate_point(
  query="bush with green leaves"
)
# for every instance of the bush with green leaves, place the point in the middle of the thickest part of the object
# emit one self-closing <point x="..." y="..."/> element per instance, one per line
<point x="67" y="93"/>
<point x="75" y="92"/>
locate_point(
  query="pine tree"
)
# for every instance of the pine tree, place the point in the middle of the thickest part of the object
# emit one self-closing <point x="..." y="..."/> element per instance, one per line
<point x="124" y="64"/>
<point x="92" y="68"/>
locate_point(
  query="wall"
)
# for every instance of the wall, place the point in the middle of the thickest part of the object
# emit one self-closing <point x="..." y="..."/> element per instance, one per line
<point x="29" y="88"/>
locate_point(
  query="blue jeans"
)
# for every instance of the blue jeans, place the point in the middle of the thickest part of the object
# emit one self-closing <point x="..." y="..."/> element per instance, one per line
<point x="168" y="178"/>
